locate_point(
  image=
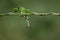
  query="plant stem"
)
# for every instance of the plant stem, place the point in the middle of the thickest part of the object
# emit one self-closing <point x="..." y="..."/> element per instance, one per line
<point x="46" y="14"/>
<point x="34" y="13"/>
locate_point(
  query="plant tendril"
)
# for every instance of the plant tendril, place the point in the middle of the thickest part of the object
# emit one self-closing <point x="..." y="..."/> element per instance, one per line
<point x="27" y="21"/>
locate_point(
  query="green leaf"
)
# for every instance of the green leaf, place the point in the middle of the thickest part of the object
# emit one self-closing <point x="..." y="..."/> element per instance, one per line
<point x="15" y="10"/>
<point x="22" y="10"/>
<point x="25" y="11"/>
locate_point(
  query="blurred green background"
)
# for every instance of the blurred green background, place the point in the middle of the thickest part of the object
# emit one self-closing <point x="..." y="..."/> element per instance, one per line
<point x="41" y="28"/>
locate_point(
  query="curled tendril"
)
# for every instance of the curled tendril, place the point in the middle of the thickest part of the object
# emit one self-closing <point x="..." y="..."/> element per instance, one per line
<point x="27" y="21"/>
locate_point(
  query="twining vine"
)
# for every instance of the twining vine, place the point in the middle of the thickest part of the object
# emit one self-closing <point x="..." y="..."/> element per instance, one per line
<point x="25" y="13"/>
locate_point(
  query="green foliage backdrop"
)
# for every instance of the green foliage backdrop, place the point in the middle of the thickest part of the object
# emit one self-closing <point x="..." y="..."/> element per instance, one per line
<point x="42" y="28"/>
